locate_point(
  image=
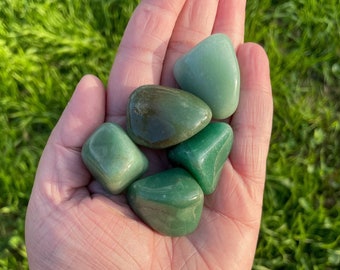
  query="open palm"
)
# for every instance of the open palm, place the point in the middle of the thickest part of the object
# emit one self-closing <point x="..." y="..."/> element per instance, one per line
<point x="72" y="223"/>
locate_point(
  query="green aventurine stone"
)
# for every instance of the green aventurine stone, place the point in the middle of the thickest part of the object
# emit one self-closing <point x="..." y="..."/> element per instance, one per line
<point x="170" y="202"/>
<point x="210" y="71"/>
<point x="112" y="158"/>
<point x="159" y="117"/>
<point x="204" y="154"/>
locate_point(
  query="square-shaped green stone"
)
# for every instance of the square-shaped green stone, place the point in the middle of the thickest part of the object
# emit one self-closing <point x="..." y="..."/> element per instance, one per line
<point x="112" y="158"/>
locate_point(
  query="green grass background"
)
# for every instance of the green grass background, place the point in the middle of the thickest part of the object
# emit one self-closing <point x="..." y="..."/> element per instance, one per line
<point x="46" y="46"/>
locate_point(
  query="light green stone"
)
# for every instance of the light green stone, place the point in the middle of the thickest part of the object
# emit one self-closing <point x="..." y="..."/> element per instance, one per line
<point x="159" y="117"/>
<point x="210" y="71"/>
<point x="112" y="158"/>
<point x="204" y="154"/>
<point x="170" y="202"/>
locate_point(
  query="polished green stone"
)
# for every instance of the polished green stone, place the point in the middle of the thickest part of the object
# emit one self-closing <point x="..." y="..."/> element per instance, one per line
<point x="159" y="117"/>
<point x="170" y="202"/>
<point x="112" y="158"/>
<point x="204" y="154"/>
<point x="210" y="71"/>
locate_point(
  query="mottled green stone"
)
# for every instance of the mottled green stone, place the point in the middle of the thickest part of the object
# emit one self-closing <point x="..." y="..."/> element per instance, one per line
<point x="170" y="202"/>
<point x="159" y="117"/>
<point x="204" y="154"/>
<point x="112" y="158"/>
<point x="211" y="71"/>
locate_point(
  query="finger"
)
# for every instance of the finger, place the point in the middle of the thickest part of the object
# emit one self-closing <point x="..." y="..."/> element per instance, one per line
<point x="230" y="20"/>
<point x="140" y="56"/>
<point x="240" y="191"/>
<point x="252" y="121"/>
<point x="194" y="23"/>
<point x="83" y="114"/>
<point x="61" y="170"/>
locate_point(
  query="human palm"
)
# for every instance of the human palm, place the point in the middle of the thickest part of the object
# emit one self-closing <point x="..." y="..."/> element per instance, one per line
<point x="73" y="223"/>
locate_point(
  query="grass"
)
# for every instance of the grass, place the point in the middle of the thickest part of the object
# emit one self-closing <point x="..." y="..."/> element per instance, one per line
<point x="46" y="46"/>
<point x="300" y="227"/>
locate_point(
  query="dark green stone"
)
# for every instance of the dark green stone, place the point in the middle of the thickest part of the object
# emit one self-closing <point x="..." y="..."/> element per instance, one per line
<point x="204" y="154"/>
<point x="112" y="158"/>
<point x="210" y="71"/>
<point x="159" y="117"/>
<point x="170" y="202"/>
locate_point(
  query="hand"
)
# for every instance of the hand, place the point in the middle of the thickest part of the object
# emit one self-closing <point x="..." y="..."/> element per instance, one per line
<point x="72" y="223"/>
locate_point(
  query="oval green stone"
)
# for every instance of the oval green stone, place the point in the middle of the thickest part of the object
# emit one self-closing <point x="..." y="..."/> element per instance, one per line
<point x="204" y="154"/>
<point x="210" y="71"/>
<point x="112" y="158"/>
<point x="159" y="117"/>
<point x="170" y="202"/>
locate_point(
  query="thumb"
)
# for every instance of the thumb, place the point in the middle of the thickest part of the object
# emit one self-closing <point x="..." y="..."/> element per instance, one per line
<point x="61" y="171"/>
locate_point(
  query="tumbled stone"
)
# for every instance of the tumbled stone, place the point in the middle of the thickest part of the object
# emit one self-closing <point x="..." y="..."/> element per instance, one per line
<point x="170" y="202"/>
<point x="204" y="154"/>
<point x="210" y="71"/>
<point x="112" y="158"/>
<point x="159" y="117"/>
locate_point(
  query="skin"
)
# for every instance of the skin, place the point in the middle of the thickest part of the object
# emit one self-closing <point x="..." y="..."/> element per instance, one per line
<point x="72" y="223"/>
